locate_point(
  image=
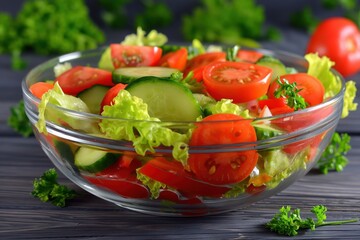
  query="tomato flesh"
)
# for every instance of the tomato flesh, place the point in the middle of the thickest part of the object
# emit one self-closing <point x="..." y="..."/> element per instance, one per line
<point x="134" y="56"/>
<point x="198" y="63"/>
<point x="250" y="56"/>
<point x="223" y="167"/>
<point x="312" y="90"/>
<point x="110" y="95"/>
<point x="175" y="59"/>
<point x="239" y="81"/>
<point x="79" y="78"/>
<point x="173" y="174"/>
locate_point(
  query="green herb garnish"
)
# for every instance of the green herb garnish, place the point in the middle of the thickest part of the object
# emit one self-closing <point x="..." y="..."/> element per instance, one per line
<point x="47" y="189"/>
<point x="18" y="120"/>
<point x="288" y="222"/>
<point x="291" y="93"/>
<point x="333" y="157"/>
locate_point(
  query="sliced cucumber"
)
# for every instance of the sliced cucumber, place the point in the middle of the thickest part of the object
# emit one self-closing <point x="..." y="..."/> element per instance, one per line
<point x="105" y="60"/>
<point x="94" y="160"/>
<point x="275" y="64"/>
<point x="129" y="74"/>
<point x="167" y="100"/>
<point x="64" y="150"/>
<point x="265" y="131"/>
<point x="93" y="97"/>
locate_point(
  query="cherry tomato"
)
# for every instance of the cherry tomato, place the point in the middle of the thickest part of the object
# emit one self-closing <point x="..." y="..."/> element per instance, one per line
<point x="79" y="78"/>
<point x="38" y="89"/>
<point x="250" y="56"/>
<point x="176" y="59"/>
<point x="111" y="94"/>
<point x="339" y="39"/>
<point x="239" y="81"/>
<point x="121" y="180"/>
<point x="198" y="63"/>
<point x="133" y="56"/>
<point x="276" y="105"/>
<point x="173" y="174"/>
<point x="223" y="167"/>
<point x="312" y="89"/>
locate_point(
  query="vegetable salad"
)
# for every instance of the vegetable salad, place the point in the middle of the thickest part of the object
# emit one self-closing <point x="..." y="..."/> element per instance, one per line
<point x="157" y="96"/>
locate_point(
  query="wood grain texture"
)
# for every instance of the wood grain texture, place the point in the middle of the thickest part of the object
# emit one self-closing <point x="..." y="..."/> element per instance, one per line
<point x="88" y="217"/>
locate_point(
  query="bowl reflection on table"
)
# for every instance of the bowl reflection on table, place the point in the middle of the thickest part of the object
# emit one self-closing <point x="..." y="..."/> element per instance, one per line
<point x="300" y="148"/>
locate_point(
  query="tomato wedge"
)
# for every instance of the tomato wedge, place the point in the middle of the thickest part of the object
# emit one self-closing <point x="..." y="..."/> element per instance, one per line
<point x="239" y="81"/>
<point x="38" y="89"/>
<point x="133" y="56"/>
<point x="250" y="56"/>
<point x="198" y="63"/>
<point x="121" y="180"/>
<point x="276" y="106"/>
<point x="176" y="59"/>
<point x="174" y="175"/>
<point x="223" y="167"/>
<point x="312" y="90"/>
<point x="111" y="94"/>
<point x="79" y="78"/>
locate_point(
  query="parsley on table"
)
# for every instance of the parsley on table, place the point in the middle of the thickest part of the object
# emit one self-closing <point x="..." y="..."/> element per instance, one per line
<point x="47" y="189"/>
<point x="19" y="121"/>
<point x="333" y="157"/>
<point x="287" y="222"/>
<point x="291" y="93"/>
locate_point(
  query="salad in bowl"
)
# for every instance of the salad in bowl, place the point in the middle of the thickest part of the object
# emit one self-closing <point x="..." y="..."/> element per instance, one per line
<point x="184" y="130"/>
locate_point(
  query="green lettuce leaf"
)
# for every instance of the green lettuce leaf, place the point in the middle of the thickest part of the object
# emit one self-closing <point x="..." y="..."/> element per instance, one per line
<point x="320" y="67"/>
<point x="226" y="106"/>
<point x="57" y="97"/>
<point x="153" y="38"/>
<point x="145" y="132"/>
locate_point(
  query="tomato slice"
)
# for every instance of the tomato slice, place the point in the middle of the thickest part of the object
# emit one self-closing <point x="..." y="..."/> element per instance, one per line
<point x="223" y="167"/>
<point x="134" y="56"/>
<point x="176" y="59"/>
<point x="111" y="94"/>
<point x="121" y="180"/>
<point x="38" y="89"/>
<point x="249" y="56"/>
<point x="239" y="81"/>
<point x="197" y="63"/>
<point x="79" y="78"/>
<point x="312" y="89"/>
<point x="277" y="106"/>
<point x="174" y="175"/>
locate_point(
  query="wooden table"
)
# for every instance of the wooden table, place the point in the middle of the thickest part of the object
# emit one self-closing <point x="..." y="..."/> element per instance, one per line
<point x="88" y="217"/>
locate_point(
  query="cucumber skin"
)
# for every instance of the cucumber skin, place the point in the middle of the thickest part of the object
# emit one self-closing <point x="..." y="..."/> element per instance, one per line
<point x="64" y="150"/>
<point x="153" y="81"/>
<point x="101" y="164"/>
<point x="93" y="101"/>
<point x="127" y="78"/>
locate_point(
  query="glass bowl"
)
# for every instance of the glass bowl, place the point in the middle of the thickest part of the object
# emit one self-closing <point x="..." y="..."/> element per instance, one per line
<point x="286" y="156"/>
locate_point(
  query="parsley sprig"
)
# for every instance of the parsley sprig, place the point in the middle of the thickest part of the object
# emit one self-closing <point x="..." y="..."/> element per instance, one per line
<point x="287" y="222"/>
<point x="47" y="189"/>
<point x="18" y="120"/>
<point x="333" y="157"/>
<point x="291" y="93"/>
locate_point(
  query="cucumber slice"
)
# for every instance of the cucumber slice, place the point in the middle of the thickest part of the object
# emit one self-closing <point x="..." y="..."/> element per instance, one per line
<point x="265" y="131"/>
<point x="105" y="60"/>
<point x="167" y="100"/>
<point x="129" y="74"/>
<point x="275" y="64"/>
<point x="64" y="150"/>
<point x="93" y="97"/>
<point x="94" y="160"/>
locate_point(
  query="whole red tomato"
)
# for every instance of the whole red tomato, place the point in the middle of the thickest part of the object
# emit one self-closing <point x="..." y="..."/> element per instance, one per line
<point x="339" y="39"/>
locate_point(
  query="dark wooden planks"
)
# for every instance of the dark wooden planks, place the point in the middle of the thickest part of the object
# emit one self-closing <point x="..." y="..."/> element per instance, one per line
<point x="22" y="216"/>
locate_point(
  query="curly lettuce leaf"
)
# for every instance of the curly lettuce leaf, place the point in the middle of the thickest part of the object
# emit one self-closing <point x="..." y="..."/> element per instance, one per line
<point x="226" y="106"/>
<point x="320" y="67"/>
<point x="57" y="97"/>
<point x="153" y="38"/>
<point x="349" y="97"/>
<point x="145" y="132"/>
